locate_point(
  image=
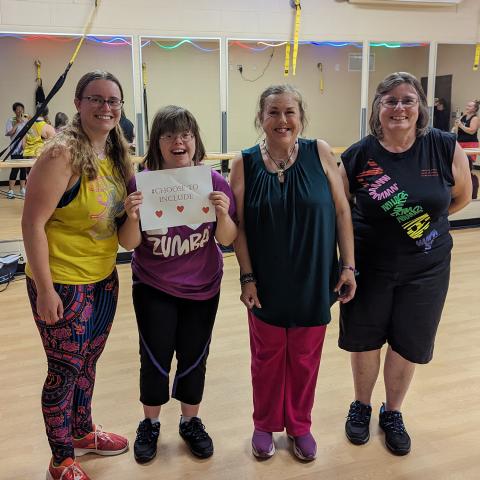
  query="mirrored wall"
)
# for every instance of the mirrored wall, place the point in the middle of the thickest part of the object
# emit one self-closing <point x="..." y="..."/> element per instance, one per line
<point x="185" y="72"/>
<point x="329" y="82"/>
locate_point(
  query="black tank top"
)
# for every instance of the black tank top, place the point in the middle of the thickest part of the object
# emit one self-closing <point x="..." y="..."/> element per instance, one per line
<point x="400" y="216"/>
<point x="464" y="136"/>
<point x="291" y="238"/>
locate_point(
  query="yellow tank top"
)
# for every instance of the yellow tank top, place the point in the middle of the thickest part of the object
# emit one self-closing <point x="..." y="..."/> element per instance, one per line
<point x="82" y="236"/>
<point x="33" y="140"/>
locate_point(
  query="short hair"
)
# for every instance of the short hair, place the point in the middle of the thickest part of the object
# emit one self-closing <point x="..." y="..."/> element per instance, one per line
<point x="61" y="119"/>
<point x="172" y="119"/>
<point x="280" y="90"/>
<point x="44" y="111"/>
<point x="384" y="87"/>
<point x="18" y="104"/>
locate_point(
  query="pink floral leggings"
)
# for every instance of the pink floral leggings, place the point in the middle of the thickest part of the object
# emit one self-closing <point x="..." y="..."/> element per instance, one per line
<point x="73" y="346"/>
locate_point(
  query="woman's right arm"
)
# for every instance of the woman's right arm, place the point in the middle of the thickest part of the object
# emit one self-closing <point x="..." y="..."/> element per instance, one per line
<point x="237" y="182"/>
<point x="129" y="234"/>
<point x="47" y="182"/>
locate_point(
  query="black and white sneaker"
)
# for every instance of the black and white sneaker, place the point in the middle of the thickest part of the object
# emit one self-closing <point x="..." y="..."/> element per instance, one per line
<point x="357" y="426"/>
<point x="397" y="439"/>
<point x="196" y="437"/>
<point x="145" y="447"/>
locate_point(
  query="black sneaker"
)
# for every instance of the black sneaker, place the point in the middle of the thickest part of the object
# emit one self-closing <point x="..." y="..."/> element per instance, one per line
<point x="197" y="439"/>
<point x="397" y="439"/>
<point x="358" y="422"/>
<point x="145" y="447"/>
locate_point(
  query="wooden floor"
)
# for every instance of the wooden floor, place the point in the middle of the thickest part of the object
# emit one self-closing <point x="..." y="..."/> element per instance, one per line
<point x="441" y="411"/>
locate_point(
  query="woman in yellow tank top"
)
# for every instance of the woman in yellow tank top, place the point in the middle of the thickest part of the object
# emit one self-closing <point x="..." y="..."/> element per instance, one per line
<point x="74" y="200"/>
<point x="39" y="133"/>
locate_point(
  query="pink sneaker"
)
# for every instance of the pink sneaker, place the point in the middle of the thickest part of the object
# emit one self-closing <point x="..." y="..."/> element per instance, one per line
<point x="101" y="443"/>
<point x="304" y="447"/>
<point x="67" y="470"/>
<point x="262" y="444"/>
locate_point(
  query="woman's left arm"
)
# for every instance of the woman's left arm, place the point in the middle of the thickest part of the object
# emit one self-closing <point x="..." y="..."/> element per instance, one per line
<point x="344" y="221"/>
<point x="474" y="125"/>
<point x="226" y="231"/>
<point x="462" y="190"/>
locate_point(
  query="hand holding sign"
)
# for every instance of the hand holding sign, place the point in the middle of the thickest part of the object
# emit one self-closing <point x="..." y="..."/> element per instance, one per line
<point x="176" y="196"/>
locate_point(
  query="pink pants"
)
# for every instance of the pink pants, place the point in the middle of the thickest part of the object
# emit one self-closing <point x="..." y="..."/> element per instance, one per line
<point x="285" y="364"/>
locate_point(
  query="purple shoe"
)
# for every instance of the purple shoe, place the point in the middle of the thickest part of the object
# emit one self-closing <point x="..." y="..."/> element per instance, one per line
<point x="262" y="444"/>
<point x="304" y="447"/>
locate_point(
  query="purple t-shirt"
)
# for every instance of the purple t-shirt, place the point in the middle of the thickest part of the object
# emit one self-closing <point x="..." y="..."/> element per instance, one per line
<point x="182" y="261"/>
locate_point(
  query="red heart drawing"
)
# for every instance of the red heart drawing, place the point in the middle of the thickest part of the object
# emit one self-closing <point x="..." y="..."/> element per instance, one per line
<point x="159" y="213"/>
<point x="180" y="208"/>
<point x="205" y="209"/>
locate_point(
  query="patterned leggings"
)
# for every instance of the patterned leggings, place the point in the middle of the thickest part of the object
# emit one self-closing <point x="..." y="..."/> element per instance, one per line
<point x="73" y="346"/>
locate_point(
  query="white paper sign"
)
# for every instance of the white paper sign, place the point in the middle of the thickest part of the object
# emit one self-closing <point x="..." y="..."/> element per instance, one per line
<point x="176" y="196"/>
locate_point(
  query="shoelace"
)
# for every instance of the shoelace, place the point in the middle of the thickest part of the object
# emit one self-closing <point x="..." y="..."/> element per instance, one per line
<point x="196" y="429"/>
<point x="73" y="468"/>
<point x="358" y="414"/>
<point x="393" y="421"/>
<point x="145" y="434"/>
<point x="99" y="433"/>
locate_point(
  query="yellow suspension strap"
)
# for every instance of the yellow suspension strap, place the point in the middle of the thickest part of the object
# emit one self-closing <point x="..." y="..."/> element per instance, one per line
<point x="320" y="69"/>
<point x="296" y="31"/>
<point x="477" y="58"/>
<point x="38" y="64"/>
<point x="476" y="61"/>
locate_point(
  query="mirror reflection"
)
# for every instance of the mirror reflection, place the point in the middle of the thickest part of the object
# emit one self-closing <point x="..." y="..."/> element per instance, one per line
<point x="185" y="72"/>
<point x="27" y="58"/>
<point x="456" y="85"/>
<point x="329" y="86"/>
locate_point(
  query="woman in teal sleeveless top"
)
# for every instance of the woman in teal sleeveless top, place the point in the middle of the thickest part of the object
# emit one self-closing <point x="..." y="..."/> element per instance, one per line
<point x="292" y="211"/>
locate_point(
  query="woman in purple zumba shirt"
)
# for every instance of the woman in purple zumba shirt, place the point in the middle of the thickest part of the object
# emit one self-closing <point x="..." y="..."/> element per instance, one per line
<point x="176" y="287"/>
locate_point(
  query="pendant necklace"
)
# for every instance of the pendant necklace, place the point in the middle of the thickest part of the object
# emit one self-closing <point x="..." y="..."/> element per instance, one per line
<point x="280" y="164"/>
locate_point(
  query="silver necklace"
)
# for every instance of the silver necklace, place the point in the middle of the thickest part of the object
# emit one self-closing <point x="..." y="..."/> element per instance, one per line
<point x="280" y="164"/>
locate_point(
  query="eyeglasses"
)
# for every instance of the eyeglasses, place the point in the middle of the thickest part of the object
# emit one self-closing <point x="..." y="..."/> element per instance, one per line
<point x="408" y="102"/>
<point x="170" y="137"/>
<point x="97" y="101"/>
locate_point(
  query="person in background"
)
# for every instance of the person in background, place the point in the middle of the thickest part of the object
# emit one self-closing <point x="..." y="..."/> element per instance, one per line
<point x="76" y="192"/>
<point x="61" y="121"/>
<point x="12" y="128"/>
<point x="176" y="287"/>
<point x="39" y="133"/>
<point x="440" y="115"/>
<point x="128" y="131"/>
<point x="405" y="180"/>
<point x="467" y="136"/>
<point x="293" y="213"/>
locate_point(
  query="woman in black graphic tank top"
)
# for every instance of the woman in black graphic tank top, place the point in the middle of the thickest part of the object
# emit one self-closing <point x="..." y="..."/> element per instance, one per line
<point x="406" y="179"/>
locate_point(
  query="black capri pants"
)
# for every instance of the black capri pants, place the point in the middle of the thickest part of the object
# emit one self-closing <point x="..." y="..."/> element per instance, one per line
<point x="168" y="324"/>
<point x="403" y="309"/>
<point x="14" y="171"/>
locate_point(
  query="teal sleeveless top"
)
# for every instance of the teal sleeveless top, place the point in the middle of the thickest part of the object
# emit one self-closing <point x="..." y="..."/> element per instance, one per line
<point x="291" y="237"/>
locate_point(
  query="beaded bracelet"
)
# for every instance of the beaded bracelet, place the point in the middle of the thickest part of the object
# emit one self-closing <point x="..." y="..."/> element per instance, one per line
<point x="247" y="278"/>
<point x="352" y="269"/>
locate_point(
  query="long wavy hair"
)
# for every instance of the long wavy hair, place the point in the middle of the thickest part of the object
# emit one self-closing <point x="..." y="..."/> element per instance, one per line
<point x="76" y="141"/>
<point x="384" y="88"/>
<point x="172" y="119"/>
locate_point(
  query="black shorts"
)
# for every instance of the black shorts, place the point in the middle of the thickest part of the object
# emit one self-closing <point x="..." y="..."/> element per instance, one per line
<point x="403" y="309"/>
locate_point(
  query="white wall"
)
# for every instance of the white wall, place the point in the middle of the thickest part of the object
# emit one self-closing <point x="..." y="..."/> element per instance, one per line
<point x="329" y="19"/>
